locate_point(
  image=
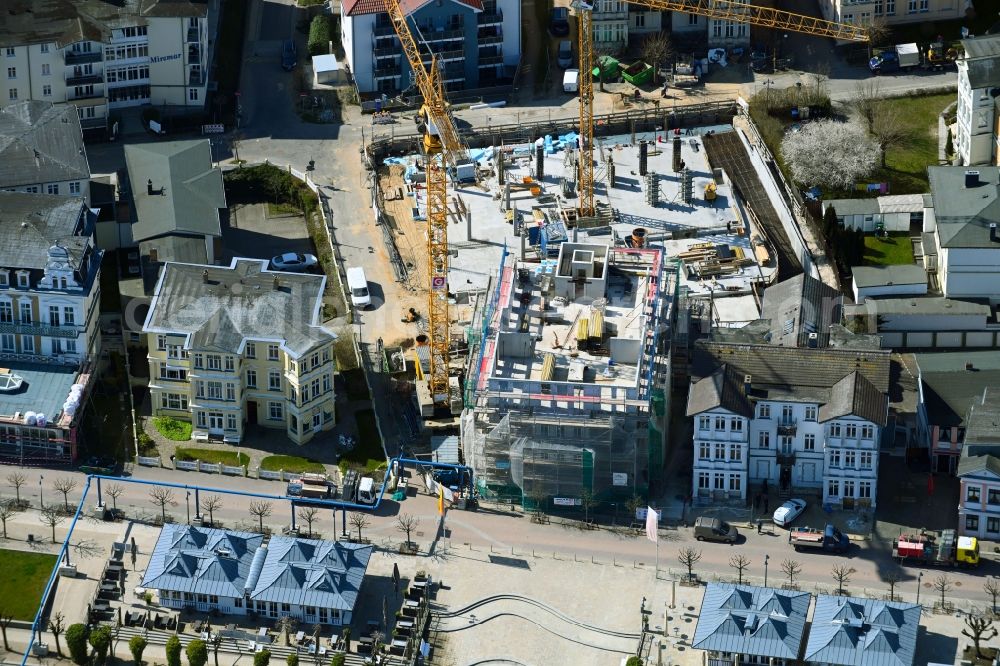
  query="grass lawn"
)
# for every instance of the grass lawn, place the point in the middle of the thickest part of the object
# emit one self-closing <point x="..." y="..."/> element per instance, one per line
<point x="173" y="429"/>
<point x="896" y="249"/>
<point x="294" y="464"/>
<point x="906" y="166"/>
<point x="368" y="451"/>
<point x="212" y="456"/>
<point x="23" y="582"/>
<point x="282" y="209"/>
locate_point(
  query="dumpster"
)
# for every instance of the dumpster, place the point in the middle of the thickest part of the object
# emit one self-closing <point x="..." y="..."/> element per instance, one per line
<point x="638" y="73"/>
<point x="612" y="68"/>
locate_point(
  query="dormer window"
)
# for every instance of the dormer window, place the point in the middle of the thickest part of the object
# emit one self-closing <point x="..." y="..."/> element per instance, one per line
<point x="22" y="279"/>
<point x="4" y="278"/>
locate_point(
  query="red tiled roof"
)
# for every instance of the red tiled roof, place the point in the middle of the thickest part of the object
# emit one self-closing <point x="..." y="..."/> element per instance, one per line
<point x="361" y="7"/>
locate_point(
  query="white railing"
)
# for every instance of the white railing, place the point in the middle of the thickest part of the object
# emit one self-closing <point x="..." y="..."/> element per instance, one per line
<point x="187" y="465"/>
<point x="267" y="474"/>
<point x="211" y="468"/>
<point x="238" y="470"/>
<point x="149" y="461"/>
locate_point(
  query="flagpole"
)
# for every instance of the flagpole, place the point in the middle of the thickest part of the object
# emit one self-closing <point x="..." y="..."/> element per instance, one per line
<point x="657" y="576"/>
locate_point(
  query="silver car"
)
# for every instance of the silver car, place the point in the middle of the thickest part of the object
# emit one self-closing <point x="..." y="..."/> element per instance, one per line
<point x="565" y="58"/>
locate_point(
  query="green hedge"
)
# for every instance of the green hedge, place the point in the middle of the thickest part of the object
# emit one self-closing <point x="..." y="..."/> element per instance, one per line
<point x="320" y="35"/>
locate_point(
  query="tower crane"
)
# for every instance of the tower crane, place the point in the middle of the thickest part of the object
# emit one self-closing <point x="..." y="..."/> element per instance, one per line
<point x="443" y="149"/>
<point x="727" y="10"/>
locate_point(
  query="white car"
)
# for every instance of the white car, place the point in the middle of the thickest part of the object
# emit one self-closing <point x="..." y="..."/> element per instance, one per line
<point x="293" y="261"/>
<point x="789" y="511"/>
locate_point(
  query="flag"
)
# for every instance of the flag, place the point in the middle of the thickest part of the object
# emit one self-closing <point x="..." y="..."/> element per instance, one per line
<point x="440" y="500"/>
<point x="652" y="533"/>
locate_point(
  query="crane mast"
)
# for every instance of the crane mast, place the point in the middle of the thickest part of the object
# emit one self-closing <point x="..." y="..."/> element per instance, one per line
<point x="442" y="148"/>
<point x="727" y="10"/>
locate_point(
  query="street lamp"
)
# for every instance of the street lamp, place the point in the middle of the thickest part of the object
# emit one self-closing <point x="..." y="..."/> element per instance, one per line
<point x="920" y="577"/>
<point x="766" y="559"/>
<point x="41" y="498"/>
<point x="187" y="504"/>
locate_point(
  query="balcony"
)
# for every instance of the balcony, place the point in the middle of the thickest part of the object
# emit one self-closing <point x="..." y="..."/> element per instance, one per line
<point x="34" y="328"/>
<point x="386" y="72"/>
<point x="490" y="61"/>
<point x="73" y="96"/>
<point x="442" y="35"/>
<point x="493" y="18"/>
<point x="384" y="31"/>
<point x="787" y="427"/>
<point x="489" y="40"/>
<point x="387" y="52"/>
<point x="194" y="55"/>
<point x="82" y="58"/>
<point x="193" y="35"/>
<point x="786" y="458"/>
<point x="84" y="79"/>
<point x="196" y="79"/>
<point x="94" y="123"/>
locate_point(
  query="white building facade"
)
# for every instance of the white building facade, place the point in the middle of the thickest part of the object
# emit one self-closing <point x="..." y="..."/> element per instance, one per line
<point x="721" y="452"/>
<point x="120" y="60"/>
<point x="976" y="139"/>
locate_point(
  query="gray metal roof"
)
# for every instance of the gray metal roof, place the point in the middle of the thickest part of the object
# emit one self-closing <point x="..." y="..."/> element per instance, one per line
<point x="67" y="21"/>
<point x="848" y="631"/>
<point x="950" y="388"/>
<point x="308" y="572"/>
<point x="41" y="143"/>
<point x="927" y="305"/>
<point x="444" y="449"/>
<point x="983" y="422"/>
<point x="749" y="620"/>
<point x="220" y="307"/>
<point x="202" y="560"/>
<point x="799" y="306"/>
<point x="975" y="464"/>
<point x="964" y="214"/>
<point x="982" y="57"/>
<point x="44" y="391"/>
<point x="187" y="189"/>
<point x="887" y="276"/>
<point x="182" y="249"/>
<point x="30" y="224"/>
<point x="844" y="207"/>
<point x="790" y="373"/>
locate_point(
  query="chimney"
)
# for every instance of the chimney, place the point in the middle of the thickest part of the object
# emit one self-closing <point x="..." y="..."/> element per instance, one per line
<point x="149" y="187"/>
<point x="971" y="179"/>
<point x="813" y="340"/>
<point x="747" y="382"/>
<point x="993" y="232"/>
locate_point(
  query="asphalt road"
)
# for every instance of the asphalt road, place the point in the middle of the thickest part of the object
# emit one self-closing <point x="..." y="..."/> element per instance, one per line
<point x="500" y="529"/>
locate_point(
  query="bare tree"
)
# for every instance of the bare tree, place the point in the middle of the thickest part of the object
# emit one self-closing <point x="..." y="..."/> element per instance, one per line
<point x="587" y="502"/>
<point x="5" y="620"/>
<point x="979" y="628"/>
<point x="18" y="480"/>
<point x="57" y="625"/>
<point x="65" y="485"/>
<point x="656" y="51"/>
<point x="892" y="579"/>
<point x="162" y="497"/>
<point x="7" y="511"/>
<point x="51" y="517"/>
<point x="114" y="491"/>
<point x="992" y="588"/>
<point x="262" y="510"/>
<point x="942" y="584"/>
<point x="310" y="514"/>
<point x="211" y="503"/>
<point x="791" y="569"/>
<point x="876" y="29"/>
<point x="689" y="557"/>
<point x="884" y="126"/>
<point x="216" y="642"/>
<point x="842" y="574"/>
<point x="407" y="523"/>
<point x="741" y="563"/>
<point x="360" y="521"/>
<point x="632" y="505"/>
<point x="286" y="625"/>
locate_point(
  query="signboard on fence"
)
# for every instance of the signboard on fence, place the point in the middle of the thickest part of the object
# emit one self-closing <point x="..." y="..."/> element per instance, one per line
<point x="215" y="128"/>
<point x="565" y="501"/>
<point x="619" y="479"/>
<point x="640" y="513"/>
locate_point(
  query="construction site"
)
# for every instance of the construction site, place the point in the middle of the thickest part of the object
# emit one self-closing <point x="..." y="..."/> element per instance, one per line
<point x="561" y="324"/>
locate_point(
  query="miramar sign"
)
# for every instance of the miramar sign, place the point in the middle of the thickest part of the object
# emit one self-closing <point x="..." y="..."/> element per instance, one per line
<point x="166" y="58"/>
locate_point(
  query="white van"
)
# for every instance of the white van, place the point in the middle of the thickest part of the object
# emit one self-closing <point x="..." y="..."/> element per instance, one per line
<point x="571" y="80"/>
<point x="357" y="285"/>
<point x="367" y="491"/>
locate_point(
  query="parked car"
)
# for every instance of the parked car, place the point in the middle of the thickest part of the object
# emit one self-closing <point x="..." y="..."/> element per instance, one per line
<point x="571" y="80"/>
<point x="565" y="58"/>
<point x="713" y="529"/>
<point x="293" y="261"/>
<point x="559" y="21"/>
<point x="789" y="511"/>
<point x="828" y="540"/>
<point x="289" y="55"/>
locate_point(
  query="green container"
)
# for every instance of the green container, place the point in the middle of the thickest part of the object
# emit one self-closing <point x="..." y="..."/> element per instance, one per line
<point x="638" y="73"/>
<point x="612" y="68"/>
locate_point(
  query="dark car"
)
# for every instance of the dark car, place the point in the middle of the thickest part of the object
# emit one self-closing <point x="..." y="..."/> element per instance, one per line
<point x="289" y="55"/>
<point x="559" y="21"/>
